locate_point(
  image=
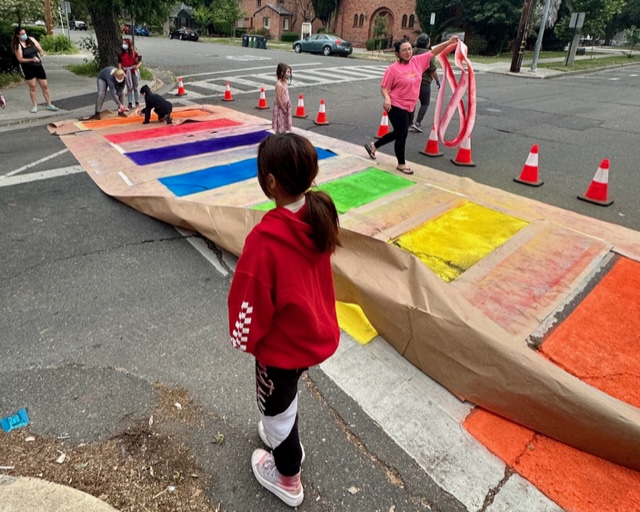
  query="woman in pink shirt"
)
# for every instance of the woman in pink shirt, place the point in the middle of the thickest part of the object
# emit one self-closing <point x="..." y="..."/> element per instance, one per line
<point x="400" y="89"/>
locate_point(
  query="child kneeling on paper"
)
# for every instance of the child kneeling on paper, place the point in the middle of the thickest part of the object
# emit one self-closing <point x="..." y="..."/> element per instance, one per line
<point x="156" y="103"/>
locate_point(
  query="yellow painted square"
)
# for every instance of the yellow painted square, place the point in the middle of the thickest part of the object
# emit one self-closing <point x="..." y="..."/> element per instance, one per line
<point x="456" y="240"/>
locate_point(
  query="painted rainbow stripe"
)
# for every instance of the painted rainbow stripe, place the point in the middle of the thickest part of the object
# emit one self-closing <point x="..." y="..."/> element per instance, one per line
<point x="220" y="175"/>
<point x="168" y="131"/>
<point x="358" y="189"/>
<point x="167" y="153"/>
<point x="456" y="240"/>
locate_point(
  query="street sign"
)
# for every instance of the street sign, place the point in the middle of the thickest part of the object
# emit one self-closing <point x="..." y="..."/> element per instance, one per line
<point x="66" y="7"/>
<point x="432" y="21"/>
<point x="577" y="20"/>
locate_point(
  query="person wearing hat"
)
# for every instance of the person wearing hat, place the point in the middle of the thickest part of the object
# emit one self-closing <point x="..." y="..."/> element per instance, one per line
<point x="111" y="78"/>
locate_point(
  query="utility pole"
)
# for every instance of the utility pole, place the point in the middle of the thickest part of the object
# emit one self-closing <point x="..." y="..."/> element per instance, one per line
<point x="521" y="38"/>
<point x="48" y="17"/>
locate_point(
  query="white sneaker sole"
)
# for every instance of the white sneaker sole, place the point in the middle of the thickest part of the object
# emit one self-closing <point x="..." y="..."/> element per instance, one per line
<point x="263" y="438"/>
<point x="293" y="500"/>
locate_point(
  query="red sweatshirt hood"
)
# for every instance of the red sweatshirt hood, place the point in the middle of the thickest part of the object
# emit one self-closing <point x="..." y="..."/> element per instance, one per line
<point x="290" y="229"/>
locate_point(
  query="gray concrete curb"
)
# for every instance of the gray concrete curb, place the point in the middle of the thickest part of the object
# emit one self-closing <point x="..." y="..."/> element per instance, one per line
<point x="20" y="494"/>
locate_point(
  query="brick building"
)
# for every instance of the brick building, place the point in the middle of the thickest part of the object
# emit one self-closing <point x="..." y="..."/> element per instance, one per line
<point x="354" y="19"/>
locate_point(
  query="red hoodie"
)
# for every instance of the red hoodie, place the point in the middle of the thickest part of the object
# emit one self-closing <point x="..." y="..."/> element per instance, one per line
<point x="282" y="301"/>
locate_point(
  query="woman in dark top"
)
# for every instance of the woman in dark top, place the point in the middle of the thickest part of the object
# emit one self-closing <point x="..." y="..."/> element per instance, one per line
<point x="28" y="52"/>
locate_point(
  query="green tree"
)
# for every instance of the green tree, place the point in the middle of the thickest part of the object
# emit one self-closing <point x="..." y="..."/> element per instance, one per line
<point x="226" y="12"/>
<point x="17" y="11"/>
<point x="633" y="38"/>
<point x="204" y="16"/>
<point x="446" y="12"/>
<point x="324" y="9"/>
<point x="379" y="29"/>
<point x="104" y="17"/>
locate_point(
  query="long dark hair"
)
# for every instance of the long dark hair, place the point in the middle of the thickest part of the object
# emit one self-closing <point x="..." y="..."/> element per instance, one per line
<point x="16" y="39"/>
<point x="293" y="162"/>
<point x="129" y="50"/>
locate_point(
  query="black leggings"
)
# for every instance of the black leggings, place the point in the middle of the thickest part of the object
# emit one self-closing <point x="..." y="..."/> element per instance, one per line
<point x="425" y="100"/>
<point x="400" y="120"/>
<point x="277" y="393"/>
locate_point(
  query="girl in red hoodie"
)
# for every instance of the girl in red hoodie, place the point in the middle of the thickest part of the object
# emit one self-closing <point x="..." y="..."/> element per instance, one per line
<point x="282" y="302"/>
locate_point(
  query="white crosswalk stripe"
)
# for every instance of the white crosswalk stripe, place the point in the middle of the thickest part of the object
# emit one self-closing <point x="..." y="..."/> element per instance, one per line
<point x="251" y="83"/>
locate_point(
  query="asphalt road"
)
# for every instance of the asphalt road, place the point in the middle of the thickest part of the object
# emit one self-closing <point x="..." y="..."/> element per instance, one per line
<point x="94" y="295"/>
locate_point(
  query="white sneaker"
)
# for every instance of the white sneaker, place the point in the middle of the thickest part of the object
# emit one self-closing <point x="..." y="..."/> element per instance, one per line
<point x="417" y="127"/>
<point x="263" y="437"/>
<point x="34" y="110"/>
<point x="287" y="488"/>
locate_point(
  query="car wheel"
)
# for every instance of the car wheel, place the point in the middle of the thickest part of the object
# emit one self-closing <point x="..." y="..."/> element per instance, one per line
<point x="196" y="39"/>
<point x="170" y="35"/>
<point x="297" y="48"/>
<point x="326" y="50"/>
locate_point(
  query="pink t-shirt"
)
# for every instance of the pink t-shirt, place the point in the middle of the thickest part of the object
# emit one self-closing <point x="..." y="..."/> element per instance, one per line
<point x="403" y="81"/>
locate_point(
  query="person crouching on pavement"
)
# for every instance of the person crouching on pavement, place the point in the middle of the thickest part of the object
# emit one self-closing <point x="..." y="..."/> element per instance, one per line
<point x="110" y="78"/>
<point x="156" y="103"/>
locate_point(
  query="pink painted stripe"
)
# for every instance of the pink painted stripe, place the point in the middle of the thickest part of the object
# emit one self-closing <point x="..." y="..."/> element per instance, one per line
<point x="165" y="131"/>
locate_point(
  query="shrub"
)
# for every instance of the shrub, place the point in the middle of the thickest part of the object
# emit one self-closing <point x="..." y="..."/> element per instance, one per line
<point x="8" y="62"/>
<point x="36" y="32"/>
<point x="289" y="37"/>
<point x="261" y="32"/>
<point x="56" y="44"/>
<point x="476" y="44"/>
<point x="376" y="44"/>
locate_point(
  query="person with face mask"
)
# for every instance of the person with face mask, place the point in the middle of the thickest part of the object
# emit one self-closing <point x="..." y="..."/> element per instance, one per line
<point x="29" y="52"/>
<point x="130" y="62"/>
<point x="111" y="78"/>
<point x="400" y="89"/>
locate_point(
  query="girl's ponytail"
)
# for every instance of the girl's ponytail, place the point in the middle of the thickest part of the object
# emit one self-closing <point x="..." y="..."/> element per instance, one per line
<point x="324" y="221"/>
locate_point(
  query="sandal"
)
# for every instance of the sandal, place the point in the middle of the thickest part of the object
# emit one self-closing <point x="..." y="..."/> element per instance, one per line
<point x="404" y="169"/>
<point x="372" y="152"/>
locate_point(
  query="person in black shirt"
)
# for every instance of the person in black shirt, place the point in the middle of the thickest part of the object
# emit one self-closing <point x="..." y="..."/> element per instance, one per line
<point x="156" y="103"/>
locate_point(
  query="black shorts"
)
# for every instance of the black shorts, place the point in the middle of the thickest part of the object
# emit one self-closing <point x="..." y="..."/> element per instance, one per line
<point x="30" y="72"/>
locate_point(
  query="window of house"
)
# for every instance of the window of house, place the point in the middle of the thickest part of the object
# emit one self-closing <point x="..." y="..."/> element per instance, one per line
<point x="280" y="1"/>
<point x="286" y="23"/>
<point x="412" y="20"/>
<point x="355" y="20"/>
<point x="265" y="23"/>
<point x="361" y="19"/>
<point x="404" y="21"/>
<point x="259" y="2"/>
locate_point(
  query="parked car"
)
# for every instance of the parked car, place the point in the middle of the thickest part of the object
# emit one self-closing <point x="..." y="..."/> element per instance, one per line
<point x="140" y="30"/>
<point x="184" y="33"/>
<point x="39" y="23"/>
<point x="78" y="25"/>
<point x="126" y="29"/>
<point x="323" y="43"/>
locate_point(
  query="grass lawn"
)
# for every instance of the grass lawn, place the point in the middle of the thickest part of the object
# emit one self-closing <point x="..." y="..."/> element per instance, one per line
<point x="590" y="63"/>
<point x="10" y="80"/>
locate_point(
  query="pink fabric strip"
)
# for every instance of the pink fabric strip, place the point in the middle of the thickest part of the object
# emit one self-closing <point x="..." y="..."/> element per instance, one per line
<point x="467" y="85"/>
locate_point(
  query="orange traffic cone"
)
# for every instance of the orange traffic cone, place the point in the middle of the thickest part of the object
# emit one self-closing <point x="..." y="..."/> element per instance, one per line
<point x="432" y="149"/>
<point x="463" y="158"/>
<point x="262" y="102"/>
<point x="597" y="193"/>
<point x="529" y="174"/>
<point x="300" y="112"/>
<point x="227" y="94"/>
<point x="384" y="125"/>
<point x="322" y="114"/>
<point x="181" y="91"/>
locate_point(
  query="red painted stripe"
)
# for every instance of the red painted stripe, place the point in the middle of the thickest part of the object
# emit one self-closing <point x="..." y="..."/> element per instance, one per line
<point x="165" y="131"/>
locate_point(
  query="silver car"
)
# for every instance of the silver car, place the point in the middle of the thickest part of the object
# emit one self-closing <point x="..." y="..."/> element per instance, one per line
<point x="325" y="44"/>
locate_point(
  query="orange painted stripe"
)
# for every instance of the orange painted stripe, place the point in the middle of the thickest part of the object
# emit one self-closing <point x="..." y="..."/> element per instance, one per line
<point x="121" y="121"/>
<point x="575" y="480"/>
<point x="599" y="342"/>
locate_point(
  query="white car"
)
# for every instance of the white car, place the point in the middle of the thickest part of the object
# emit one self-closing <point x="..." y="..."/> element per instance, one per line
<point x="39" y="23"/>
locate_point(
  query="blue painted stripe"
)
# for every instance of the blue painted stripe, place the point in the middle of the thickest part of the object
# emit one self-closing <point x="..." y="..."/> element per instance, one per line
<point x="219" y="176"/>
<point x="164" y="154"/>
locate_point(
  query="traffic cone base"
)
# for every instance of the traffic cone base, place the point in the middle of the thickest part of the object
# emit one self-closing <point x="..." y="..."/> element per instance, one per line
<point x="262" y="102"/>
<point x="597" y="193"/>
<point x="181" y="91"/>
<point x="321" y="119"/>
<point x="529" y="174"/>
<point x="384" y="125"/>
<point x="300" y="112"/>
<point x="463" y="158"/>
<point x="432" y="149"/>
<point x="227" y="94"/>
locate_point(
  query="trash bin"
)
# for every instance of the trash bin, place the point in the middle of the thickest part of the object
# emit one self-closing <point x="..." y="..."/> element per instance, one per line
<point x="581" y="51"/>
<point x="262" y="42"/>
<point x="245" y="40"/>
<point x="252" y="41"/>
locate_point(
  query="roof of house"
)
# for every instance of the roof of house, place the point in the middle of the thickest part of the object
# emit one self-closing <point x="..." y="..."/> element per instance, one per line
<point x="278" y="10"/>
